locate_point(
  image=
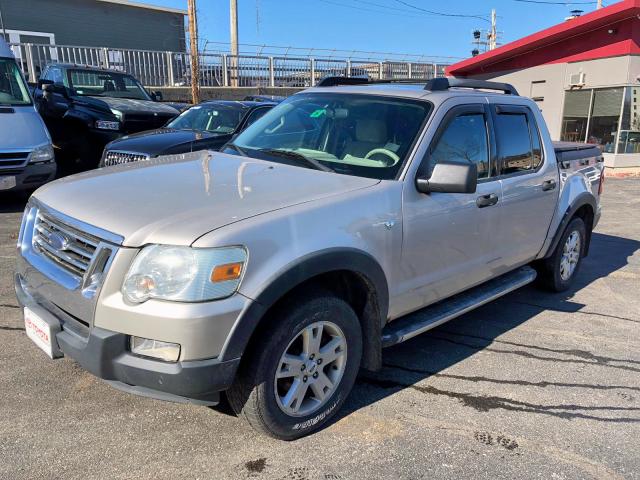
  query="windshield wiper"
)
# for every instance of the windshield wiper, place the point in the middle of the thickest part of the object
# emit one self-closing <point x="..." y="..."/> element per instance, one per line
<point x="237" y="149"/>
<point x="312" y="162"/>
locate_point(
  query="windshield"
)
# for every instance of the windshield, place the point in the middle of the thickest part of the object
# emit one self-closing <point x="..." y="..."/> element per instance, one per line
<point x="13" y="90"/>
<point x="106" y="84"/>
<point x="362" y="135"/>
<point x="209" y="118"/>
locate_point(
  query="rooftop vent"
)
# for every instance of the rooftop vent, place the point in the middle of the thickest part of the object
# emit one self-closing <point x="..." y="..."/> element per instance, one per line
<point x="574" y="14"/>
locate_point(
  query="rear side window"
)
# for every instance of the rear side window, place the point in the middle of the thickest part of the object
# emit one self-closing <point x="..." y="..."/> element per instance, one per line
<point x="518" y="140"/>
<point x="464" y="140"/>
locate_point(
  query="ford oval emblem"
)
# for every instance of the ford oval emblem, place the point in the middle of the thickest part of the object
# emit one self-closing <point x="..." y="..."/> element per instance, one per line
<point x="58" y="241"/>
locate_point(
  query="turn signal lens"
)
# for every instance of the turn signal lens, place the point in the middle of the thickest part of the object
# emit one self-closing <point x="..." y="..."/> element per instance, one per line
<point x="224" y="273"/>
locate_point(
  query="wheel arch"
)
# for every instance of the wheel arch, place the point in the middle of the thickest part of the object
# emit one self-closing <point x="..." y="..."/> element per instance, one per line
<point x="584" y="206"/>
<point x="349" y="273"/>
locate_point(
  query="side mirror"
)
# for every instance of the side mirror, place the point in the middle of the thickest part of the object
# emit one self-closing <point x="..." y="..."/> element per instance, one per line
<point x="50" y="88"/>
<point x="156" y="96"/>
<point x="450" y="177"/>
<point x="42" y="82"/>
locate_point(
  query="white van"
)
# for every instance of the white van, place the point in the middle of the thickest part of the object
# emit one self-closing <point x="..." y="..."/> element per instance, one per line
<point x="26" y="154"/>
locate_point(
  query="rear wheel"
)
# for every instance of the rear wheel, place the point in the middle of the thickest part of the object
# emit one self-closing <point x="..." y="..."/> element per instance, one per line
<point x="299" y="376"/>
<point x="558" y="271"/>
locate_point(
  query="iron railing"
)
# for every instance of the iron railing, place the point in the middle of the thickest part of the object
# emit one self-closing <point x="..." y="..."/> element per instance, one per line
<point x="171" y="69"/>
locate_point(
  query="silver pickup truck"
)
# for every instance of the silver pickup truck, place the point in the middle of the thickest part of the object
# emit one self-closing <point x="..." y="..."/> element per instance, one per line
<point x="347" y="219"/>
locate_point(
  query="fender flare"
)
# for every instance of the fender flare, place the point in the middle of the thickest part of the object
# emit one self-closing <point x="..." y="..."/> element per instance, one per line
<point x="580" y="201"/>
<point x="303" y="269"/>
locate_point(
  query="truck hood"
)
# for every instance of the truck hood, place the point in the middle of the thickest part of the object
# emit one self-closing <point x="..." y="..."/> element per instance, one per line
<point x="22" y="128"/>
<point x="177" y="199"/>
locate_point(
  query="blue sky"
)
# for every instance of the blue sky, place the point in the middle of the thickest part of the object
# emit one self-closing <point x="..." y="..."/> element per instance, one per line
<point x="373" y="25"/>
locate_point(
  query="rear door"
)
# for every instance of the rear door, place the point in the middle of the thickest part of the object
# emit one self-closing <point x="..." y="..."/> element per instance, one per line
<point x="449" y="238"/>
<point x="529" y="179"/>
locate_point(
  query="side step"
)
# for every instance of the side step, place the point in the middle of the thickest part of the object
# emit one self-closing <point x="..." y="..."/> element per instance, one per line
<point x="430" y="317"/>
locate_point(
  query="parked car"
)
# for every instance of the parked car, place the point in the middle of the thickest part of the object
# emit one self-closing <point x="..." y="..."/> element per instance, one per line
<point x="26" y="154"/>
<point x="264" y="98"/>
<point x="207" y="126"/>
<point x="85" y="108"/>
<point x="345" y="220"/>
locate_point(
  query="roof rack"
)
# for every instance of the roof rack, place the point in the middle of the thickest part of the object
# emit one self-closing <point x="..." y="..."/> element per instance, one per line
<point x="434" y="85"/>
<point x="441" y="83"/>
<point x="335" y="81"/>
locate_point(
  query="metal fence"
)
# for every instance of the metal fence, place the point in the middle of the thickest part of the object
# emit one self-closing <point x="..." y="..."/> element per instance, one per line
<point x="172" y="69"/>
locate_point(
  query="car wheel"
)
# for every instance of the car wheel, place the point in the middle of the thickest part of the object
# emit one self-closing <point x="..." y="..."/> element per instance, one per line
<point x="559" y="270"/>
<point x="302" y="370"/>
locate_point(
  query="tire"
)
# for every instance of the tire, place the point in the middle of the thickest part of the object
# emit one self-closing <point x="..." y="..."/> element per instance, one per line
<point x="264" y="401"/>
<point x="558" y="272"/>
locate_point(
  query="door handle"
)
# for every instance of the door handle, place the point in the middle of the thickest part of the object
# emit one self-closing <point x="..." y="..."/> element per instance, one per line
<point x="487" y="200"/>
<point x="548" y="185"/>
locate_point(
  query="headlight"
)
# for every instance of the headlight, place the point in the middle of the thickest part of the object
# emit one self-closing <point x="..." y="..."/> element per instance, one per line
<point x="107" y="125"/>
<point x="42" y="154"/>
<point x="184" y="274"/>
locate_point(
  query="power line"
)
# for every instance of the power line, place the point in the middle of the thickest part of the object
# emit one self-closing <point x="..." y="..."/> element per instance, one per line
<point x="544" y="2"/>
<point x="442" y="14"/>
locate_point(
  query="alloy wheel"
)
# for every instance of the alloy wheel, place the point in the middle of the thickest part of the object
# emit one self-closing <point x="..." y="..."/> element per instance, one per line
<point x="310" y="369"/>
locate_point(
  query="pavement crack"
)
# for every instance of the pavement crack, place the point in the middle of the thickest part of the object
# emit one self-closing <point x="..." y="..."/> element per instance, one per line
<point x="581" y="354"/>
<point x="8" y="305"/>
<point x="525" y="383"/>
<point x="11" y="329"/>
<point x="560" y="310"/>
<point x="486" y="403"/>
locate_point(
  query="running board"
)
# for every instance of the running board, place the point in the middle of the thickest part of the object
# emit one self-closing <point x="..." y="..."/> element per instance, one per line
<point x="430" y="317"/>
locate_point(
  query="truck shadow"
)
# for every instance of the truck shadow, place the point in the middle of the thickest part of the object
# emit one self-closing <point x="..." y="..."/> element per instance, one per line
<point x="408" y="365"/>
<point x="12" y="202"/>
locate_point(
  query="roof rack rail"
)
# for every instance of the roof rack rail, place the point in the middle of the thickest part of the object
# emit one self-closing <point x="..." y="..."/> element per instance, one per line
<point x="335" y="81"/>
<point x="441" y="83"/>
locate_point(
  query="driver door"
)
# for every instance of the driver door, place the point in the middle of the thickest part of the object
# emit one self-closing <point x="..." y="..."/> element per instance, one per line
<point x="449" y="238"/>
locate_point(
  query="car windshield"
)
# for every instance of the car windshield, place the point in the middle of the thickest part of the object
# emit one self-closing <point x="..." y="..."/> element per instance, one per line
<point x="13" y="90"/>
<point x="362" y="135"/>
<point x="106" y="84"/>
<point x="209" y="118"/>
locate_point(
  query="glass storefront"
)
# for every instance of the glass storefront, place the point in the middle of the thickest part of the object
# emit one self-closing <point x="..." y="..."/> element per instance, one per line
<point x="607" y="117"/>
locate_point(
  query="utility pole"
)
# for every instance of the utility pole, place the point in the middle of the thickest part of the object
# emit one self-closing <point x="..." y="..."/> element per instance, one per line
<point x="193" y="48"/>
<point x="493" y="38"/>
<point x="233" y="23"/>
<point x="599" y="3"/>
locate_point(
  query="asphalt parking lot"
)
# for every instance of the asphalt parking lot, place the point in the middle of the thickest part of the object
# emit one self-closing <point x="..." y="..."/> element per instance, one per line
<point x="534" y="385"/>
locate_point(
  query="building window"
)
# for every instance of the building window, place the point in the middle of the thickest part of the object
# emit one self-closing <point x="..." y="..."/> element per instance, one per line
<point x="577" y="105"/>
<point x="605" y="118"/>
<point x="629" y="140"/>
<point x="594" y="116"/>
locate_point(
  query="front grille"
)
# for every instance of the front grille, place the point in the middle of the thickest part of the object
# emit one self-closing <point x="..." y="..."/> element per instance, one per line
<point x="64" y="245"/>
<point x="114" y="157"/>
<point x="13" y="159"/>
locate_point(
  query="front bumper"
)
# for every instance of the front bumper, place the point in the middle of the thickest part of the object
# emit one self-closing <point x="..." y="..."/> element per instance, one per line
<point x="105" y="354"/>
<point x="30" y="176"/>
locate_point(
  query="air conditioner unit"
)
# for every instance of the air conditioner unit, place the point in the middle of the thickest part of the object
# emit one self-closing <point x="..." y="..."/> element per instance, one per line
<point x="577" y="79"/>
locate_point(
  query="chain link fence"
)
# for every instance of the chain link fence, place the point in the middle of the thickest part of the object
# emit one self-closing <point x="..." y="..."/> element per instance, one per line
<point x="172" y="69"/>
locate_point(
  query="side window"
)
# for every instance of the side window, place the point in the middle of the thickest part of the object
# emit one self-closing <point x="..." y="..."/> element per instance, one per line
<point x="54" y="74"/>
<point x="464" y="140"/>
<point x="515" y="144"/>
<point x="255" y="115"/>
<point x="535" y="140"/>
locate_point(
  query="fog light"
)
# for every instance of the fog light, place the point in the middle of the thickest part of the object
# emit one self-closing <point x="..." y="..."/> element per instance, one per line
<point x="168" y="352"/>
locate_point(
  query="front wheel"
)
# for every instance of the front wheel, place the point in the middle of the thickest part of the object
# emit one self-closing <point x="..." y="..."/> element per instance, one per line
<point x="559" y="270"/>
<point x="300" y="374"/>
